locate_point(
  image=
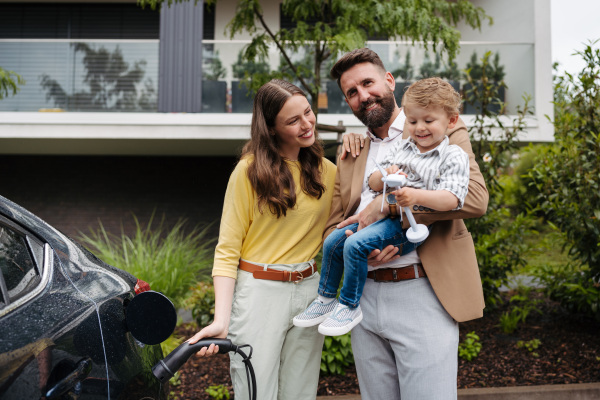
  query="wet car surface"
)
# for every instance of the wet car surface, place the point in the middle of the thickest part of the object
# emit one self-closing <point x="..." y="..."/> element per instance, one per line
<point x="64" y="330"/>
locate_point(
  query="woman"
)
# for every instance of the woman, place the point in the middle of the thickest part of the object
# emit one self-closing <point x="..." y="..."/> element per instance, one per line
<point x="277" y="202"/>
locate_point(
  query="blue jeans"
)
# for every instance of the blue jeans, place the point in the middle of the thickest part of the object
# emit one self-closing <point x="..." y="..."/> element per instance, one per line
<point x="348" y="256"/>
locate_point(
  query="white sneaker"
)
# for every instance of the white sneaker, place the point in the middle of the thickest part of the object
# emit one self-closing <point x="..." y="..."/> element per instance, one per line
<point x="315" y="313"/>
<point x="341" y="320"/>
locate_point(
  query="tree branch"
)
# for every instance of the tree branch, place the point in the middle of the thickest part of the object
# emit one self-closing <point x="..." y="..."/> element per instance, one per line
<point x="282" y="50"/>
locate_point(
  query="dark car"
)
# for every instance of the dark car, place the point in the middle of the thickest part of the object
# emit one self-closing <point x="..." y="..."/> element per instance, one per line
<point x="71" y="326"/>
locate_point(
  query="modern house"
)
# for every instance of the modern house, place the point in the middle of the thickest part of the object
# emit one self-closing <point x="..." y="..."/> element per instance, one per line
<point x="128" y="110"/>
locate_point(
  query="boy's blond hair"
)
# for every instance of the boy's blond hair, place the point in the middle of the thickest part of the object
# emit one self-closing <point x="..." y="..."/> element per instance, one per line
<point x="435" y="92"/>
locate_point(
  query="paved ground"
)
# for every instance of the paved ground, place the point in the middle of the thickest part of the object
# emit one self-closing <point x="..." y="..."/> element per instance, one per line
<point x="581" y="391"/>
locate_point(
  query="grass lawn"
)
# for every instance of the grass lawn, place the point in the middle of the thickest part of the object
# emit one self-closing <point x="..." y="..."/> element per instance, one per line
<point x="546" y="249"/>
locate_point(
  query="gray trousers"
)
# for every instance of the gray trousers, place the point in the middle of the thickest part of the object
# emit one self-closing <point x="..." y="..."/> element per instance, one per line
<point x="406" y="346"/>
<point x="286" y="359"/>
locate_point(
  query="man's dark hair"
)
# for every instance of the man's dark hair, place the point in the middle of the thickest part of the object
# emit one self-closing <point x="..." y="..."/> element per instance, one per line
<point x="352" y="58"/>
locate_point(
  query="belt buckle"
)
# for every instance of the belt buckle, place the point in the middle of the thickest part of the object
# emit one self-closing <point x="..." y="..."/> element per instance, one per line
<point x="300" y="279"/>
<point x="375" y="275"/>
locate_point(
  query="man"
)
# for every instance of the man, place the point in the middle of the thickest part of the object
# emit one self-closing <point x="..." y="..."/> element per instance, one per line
<point x="406" y="345"/>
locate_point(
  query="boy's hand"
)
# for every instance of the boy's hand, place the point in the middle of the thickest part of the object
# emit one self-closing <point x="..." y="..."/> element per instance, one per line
<point x="392" y="169"/>
<point x="407" y="196"/>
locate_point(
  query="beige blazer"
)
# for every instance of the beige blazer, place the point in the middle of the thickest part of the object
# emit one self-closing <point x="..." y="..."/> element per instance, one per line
<point x="448" y="254"/>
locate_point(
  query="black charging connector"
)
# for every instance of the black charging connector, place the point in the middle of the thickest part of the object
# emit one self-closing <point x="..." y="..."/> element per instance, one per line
<point x="166" y="368"/>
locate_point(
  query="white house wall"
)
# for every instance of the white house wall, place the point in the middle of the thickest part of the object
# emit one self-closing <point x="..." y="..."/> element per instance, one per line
<point x="225" y="10"/>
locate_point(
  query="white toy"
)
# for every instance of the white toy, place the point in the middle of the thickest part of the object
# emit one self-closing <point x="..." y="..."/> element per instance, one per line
<point x="417" y="232"/>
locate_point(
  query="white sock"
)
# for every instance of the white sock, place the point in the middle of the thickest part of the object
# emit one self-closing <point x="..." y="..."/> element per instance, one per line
<point x="325" y="300"/>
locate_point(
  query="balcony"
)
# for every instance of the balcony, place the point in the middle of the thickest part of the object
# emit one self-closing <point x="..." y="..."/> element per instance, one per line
<point x="100" y="96"/>
<point x="122" y="75"/>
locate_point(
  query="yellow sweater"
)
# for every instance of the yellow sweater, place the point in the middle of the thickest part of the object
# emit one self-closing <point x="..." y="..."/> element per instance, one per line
<point x="262" y="237"/>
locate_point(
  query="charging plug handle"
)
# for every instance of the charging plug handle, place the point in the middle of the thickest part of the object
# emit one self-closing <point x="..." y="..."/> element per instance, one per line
<point x="166" y="368"/>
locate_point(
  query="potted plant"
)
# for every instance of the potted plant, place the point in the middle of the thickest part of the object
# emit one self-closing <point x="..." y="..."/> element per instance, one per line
<point x="437" y="68"/>
<point x="430" y="68"/>
<point x="451" y="73"/>
<point x="493" y="73"/>
<point x="242" y="96"/>
<point x="214" y="90"/>
<point x="404" y="76"/>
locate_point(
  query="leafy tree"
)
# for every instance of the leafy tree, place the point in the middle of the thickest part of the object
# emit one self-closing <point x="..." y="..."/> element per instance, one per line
<point x="567" y="178"/>
<point x="334" y="26"/>
<point x="9" y="83"/>
<point x="112" y="83"/>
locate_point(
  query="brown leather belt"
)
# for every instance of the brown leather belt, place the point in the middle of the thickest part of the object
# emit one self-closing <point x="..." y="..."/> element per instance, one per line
<point x="276" y="275"/>
<point x="397" y="274"/>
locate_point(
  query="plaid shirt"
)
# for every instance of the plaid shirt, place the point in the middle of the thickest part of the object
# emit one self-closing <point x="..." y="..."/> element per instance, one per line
<point x="445" y="167"/>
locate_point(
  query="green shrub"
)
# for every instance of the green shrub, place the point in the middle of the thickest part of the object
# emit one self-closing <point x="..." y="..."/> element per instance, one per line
<point x="530" y="345"/>
<point x="567" y="179"/>
<point x="509" y="320"/>
<point x="218" y="392"/>
<point x="571" y="286"/>
<point x="337" y="354"/>
<point x="517" y="193"/>
<point x="170" y="261"/>
<point x="9" y="83"/>
<point x="522" y="306"/>
<point x="470" y="347"/>
<point x="526" y="192"/>
<point x="499" y="234"/>
<point x="501" y="249"/>
<point x="201" y="302"/>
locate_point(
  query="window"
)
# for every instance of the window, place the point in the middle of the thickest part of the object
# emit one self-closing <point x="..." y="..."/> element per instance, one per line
<point x="77" y="21"/>
<point x="286" y="22"/>
<point x="81" y="56"/>
<point x="19" y="273"/>
<point x="208" y="22"/>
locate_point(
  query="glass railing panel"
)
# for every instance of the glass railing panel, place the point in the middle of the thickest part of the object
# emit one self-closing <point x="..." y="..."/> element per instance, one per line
<point x="409" y="62"/>
<point x="64" y="75"/>
<point x="406" y="61"/>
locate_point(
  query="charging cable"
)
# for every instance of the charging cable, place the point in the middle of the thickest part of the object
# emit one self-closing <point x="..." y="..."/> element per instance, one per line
<point x="166" y="368"/>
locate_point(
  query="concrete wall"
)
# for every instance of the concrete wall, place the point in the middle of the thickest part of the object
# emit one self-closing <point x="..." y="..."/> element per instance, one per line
<point x="73" y="193"/>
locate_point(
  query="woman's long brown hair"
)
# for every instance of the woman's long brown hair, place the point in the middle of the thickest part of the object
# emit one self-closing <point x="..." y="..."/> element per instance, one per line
<point x="268" y="173"/>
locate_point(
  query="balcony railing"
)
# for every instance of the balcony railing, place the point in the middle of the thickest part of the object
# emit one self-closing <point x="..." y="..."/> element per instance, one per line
<point x="122" y="75"/>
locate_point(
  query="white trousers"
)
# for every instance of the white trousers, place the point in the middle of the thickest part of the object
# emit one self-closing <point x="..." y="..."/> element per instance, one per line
<point x="406" y="346"/>
<point x="286" y="359"/>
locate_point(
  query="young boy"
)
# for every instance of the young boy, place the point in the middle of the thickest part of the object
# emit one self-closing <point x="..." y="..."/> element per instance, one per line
<point x="437" y="178"/>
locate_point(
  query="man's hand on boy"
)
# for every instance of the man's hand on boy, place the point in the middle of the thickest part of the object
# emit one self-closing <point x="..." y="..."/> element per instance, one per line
<point x="379" y="257"/>
<point x="372" y="213"/>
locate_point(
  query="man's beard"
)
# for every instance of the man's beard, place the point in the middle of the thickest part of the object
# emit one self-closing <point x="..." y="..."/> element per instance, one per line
<point x="380" y="116"/>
